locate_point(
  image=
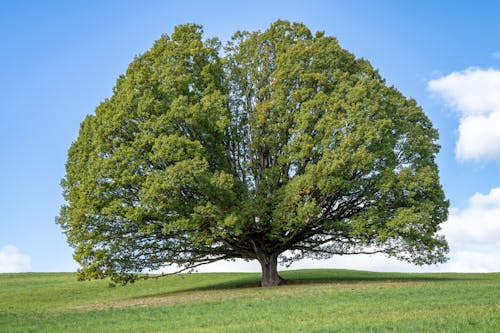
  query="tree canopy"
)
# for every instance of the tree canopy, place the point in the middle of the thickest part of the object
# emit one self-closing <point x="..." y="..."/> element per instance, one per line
<point x="279" y="145"/>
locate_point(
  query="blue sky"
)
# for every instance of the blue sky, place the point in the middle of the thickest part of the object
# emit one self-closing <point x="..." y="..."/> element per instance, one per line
<point x="60" y="59"/>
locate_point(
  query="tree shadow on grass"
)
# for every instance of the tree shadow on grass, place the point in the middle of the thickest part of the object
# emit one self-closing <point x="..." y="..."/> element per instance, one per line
<point x="247" y="282"/>
<point x="340" y="276"/>
<point x="318" y="276"/>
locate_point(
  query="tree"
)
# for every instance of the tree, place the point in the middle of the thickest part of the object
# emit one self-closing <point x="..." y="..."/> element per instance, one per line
<point x="284" y="147"/>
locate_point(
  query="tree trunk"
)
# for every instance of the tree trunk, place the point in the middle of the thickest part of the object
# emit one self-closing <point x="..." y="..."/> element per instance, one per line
<point x="270" y="277"/>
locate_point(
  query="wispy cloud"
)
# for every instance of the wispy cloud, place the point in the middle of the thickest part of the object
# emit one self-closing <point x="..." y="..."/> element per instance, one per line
<point x="13" y="261"/>
<point x="475" y="94"/>
<point x="496" y="55"/>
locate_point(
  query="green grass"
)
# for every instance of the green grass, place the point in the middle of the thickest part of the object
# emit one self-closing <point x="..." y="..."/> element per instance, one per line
<point x="312" y="301"/>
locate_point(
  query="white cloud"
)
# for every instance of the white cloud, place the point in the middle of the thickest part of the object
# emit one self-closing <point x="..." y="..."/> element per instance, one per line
<point x="473" y="91"/>
<point x="13" y="261"/>
<point x="479" y="137"/>
<point x="496" y="54"/>
<point x="479" y="260"/>
<point x="478" y="224"/>
<point x="474" y="234"/>
<point x="475" y="94"/>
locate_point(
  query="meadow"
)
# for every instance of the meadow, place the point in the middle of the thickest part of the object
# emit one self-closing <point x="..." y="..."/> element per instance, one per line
<point x="311" y="301"/>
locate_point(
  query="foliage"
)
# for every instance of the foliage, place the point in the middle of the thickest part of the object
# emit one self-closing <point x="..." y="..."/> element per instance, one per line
<point x="287" y="146"/>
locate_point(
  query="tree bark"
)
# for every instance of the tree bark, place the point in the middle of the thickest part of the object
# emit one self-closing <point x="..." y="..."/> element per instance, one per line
<point x="269" y="265"/>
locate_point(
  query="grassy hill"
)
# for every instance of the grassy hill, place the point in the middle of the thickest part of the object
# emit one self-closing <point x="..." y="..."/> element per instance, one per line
<point x="312" y="301"/>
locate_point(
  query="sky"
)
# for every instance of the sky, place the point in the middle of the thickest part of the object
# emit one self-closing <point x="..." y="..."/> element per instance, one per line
<point x="60" y="59"/>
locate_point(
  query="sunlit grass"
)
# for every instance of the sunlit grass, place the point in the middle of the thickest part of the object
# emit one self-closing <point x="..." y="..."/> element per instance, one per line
<point x="311" y="301"/>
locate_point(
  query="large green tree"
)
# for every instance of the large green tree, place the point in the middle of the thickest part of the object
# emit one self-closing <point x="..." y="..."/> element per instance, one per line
<point x="279" y="146"/>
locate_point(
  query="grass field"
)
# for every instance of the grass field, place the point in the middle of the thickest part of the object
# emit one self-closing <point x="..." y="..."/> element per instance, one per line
<point x="312" y="301"/>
